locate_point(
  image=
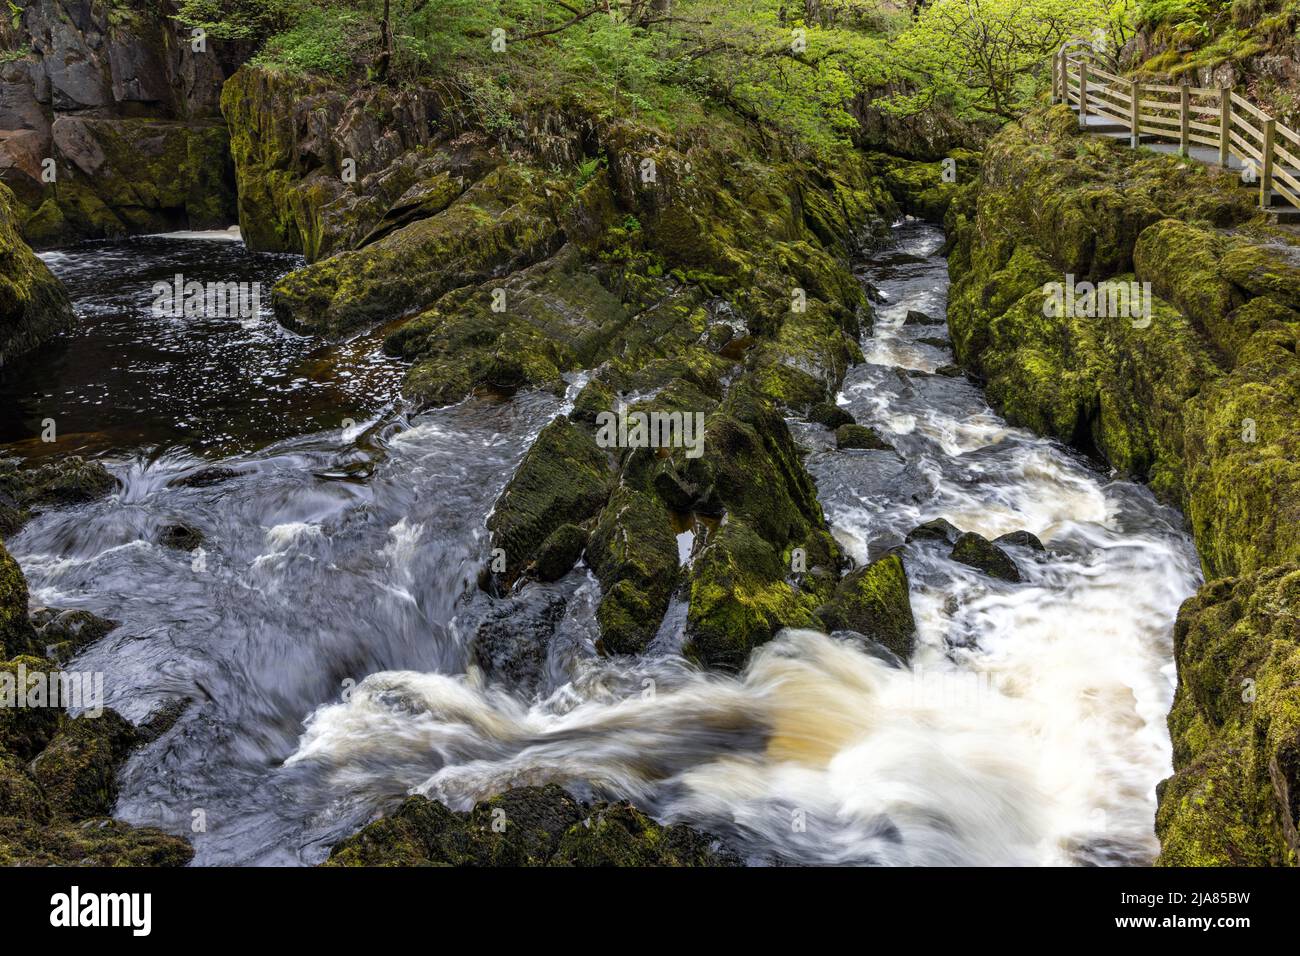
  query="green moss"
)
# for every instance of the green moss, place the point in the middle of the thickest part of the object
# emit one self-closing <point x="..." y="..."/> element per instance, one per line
<point x="24" y="731"/>
<point x="90" y="843"/>
<point x="982" y="554"/>
<point x="77" y="770"/>
<point x="875" y="601"/>
<point x="563" y="479"/>
<point x="741" y="595"/>
<point x="527" y="826"/>
<point x="560" y="552"/>
<point x="634" y="554"/>
<point x="33" y="304"/>
<point x="1234" y="798"/>
<point x="16" y="633"/>
<point x="66" y="481"/>
<point x="860" y="436"/>
<point x="19" y="794"/>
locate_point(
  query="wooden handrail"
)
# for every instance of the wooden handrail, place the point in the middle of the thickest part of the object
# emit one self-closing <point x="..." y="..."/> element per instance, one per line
<point x="1223" y="119"/>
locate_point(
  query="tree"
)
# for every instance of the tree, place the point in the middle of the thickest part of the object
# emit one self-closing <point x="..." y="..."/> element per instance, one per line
<point x="986" y="57"/>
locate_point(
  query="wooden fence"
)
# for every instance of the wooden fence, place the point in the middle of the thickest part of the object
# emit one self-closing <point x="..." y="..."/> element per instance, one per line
<point x="1190" y="115"/>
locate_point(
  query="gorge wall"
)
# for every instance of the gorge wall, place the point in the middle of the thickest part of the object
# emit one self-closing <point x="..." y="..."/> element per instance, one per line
<point x="127" y="111"/>
<point x="1199" y="398"/>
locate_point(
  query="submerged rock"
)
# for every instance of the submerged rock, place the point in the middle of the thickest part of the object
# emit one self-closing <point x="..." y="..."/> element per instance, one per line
<point x="980" y="553"/>
<point x="510" y="647"/>
<point x="528" y="826"/>
<point x="1020" y="539"/>
<point x="181" y="537"/>
<point x="937" y="529"/>
<point x="915" y="317"/>
<point x="60" y="635"/>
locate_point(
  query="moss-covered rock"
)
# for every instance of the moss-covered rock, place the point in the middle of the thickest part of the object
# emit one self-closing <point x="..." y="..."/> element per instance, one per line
<point x="875" y="601"/>
<point x="1020" y="539"/>
<point x="634" y="554"/>
<point x="25" y="730"/>
<point x="563" y="479"/>
<point x="502" y="223"/>
<point x="621" y="835"/>
<point x="980" y="553"/>
<point x="19" y="794"/>
<point x="62" y="634"/>
<point x="70" y="480"/>
<point x="830" y="415"/>
<point x="936" y="529"/>
<point x="16" y="633"/>
<point x="1234" y="798"/>
<point x="925" y="189"/>
<point x="860" y="436"/>
<point x="528" y="826"/>
<point x="33" y="304"/>
<point x="560" y="552"/>
<point x="742" y="592"/>
<point x="77" y="770"/>
<point x="100" y="842"/>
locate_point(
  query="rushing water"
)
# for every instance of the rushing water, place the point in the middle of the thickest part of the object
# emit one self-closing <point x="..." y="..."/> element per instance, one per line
<point x="323" y="635"/>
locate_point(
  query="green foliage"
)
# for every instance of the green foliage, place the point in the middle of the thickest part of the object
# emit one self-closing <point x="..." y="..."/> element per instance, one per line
<point x="1154" y="13"/>
<point x="988" y="58"/>
<point x="241" y="19"/>
<point x="320" y="41"/>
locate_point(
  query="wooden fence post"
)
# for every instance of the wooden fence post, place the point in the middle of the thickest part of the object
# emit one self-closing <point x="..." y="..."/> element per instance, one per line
<point x="1056" y="76"/>
<point x="1083" y="91"/>
<point x="1184" y="119"/>
<point x="1225" y="125"/>
<point x="1266" y="177"/>
<point x="1135" y="113"/>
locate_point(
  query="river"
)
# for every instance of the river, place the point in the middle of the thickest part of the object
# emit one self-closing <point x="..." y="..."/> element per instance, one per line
<point x="323" y="632"/>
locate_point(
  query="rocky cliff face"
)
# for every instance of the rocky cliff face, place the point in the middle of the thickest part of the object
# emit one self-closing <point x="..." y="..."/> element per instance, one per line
<point x="1197" y="395"/>
<point x="127" y="111"/>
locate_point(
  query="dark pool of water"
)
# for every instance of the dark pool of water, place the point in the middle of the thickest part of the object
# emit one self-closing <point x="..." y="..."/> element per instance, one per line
<point x="127" y="380"/>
